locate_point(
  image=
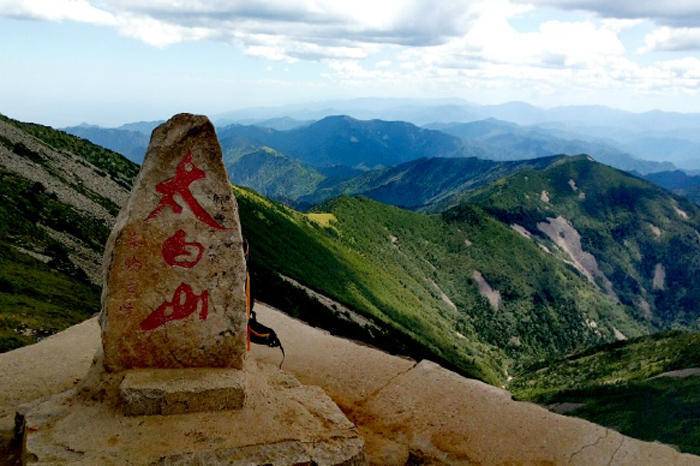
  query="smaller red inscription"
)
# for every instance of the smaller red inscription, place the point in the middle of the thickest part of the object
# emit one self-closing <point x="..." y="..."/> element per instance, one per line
<point x="175" y="247"/>
<point x="134" y="241"/>
<point x="127" y="307"/>
<point x="184" y="303"/>
<point x="186" y="173"/>
<point x="133" y="264"/>
<point x="131" y="289"/>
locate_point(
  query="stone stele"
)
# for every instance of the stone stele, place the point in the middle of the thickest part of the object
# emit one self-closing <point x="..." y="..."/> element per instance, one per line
<point x="174" y="268"/>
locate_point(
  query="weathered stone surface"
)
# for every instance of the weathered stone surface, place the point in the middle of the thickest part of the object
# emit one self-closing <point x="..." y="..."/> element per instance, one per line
<point x="427" y="410"/>
<point x="281" y="423"/>
<point x="174" y="265"/>
<point x="180" y="391"/>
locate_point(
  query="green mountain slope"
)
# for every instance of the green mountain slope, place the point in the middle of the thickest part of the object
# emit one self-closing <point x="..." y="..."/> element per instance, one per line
<point x="420" y="184"/>
<point x="637" y="242"/>
<point x="274" y="175"/>
<point x="678" y="182"/>
<point x="620" y="385"/>
<point x="420" y="276"/>
<point x="59" y="195"/>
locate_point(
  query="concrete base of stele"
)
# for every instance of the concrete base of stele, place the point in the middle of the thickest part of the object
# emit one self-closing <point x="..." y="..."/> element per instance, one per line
<point x="261" y="416"/>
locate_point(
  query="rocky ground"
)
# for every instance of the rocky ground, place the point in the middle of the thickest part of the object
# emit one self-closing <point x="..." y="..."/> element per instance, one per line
<point x="407" y="412"/>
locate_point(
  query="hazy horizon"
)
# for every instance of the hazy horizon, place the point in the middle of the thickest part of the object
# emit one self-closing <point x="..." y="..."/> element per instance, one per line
<point x="281" y="111"/>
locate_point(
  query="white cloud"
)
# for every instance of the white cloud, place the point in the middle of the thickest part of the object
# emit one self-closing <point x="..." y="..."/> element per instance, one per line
<point x="276" y="29"/>
<point x="465" y="44"/>
<point x="678" y="20"/>
<point x="676" y="12"/>
<point x="158" y="33"/>
<point x="56" y="10"/>
<point x="672" y="39"/>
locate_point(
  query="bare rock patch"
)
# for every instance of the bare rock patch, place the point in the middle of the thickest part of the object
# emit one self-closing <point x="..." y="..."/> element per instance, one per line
<point x="521" y="230"/>
<point x="659" y="280"/>
<point x="485" y="290"/>
<point x="564" y="235"/>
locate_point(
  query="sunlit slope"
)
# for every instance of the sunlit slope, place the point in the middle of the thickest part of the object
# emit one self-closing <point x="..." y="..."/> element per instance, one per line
<point x="59" y="195"/>
<point x="461" y="286"/>
<point x="621" y="385"/>
<point x="636" y="241"/>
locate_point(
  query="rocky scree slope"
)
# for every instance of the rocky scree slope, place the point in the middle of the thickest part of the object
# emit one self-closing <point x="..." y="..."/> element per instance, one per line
<point x="59" y="196"/>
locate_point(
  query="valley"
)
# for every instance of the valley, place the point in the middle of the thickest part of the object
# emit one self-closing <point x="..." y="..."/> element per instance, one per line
<point x="545" y="275"/>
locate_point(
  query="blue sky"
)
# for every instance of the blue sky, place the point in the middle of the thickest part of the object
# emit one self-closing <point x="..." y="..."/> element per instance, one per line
<point x="112" y="61"/>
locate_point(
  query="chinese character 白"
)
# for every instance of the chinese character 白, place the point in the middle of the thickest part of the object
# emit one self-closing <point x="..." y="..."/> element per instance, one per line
<point x="175" y="247"/>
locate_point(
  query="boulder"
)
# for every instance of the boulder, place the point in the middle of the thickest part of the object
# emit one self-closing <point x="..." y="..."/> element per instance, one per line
<point x="174" y="269"/>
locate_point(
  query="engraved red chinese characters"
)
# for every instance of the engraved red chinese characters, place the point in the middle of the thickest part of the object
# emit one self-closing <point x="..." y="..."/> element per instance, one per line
<point x="175" y="247"/>
<point x="184" y="303"/>
<point x="186" y="173"/>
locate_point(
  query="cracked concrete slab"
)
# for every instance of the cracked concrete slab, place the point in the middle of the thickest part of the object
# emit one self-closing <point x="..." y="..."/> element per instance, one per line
<point x="402" y="412"/>
<point x="435" y="413"/>
<point x="282" y="423"/>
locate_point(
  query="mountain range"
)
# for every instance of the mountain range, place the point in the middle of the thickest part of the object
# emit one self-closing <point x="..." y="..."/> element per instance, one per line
<point x="502" y="140"/>
<point x="342" y="140"/>
<point x="498" y="270"/>
<point x="653" y="135"/>
<point x="679" y="182"/>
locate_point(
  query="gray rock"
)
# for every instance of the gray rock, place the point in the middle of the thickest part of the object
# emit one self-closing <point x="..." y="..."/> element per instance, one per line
<point x="180" y="391"/>
<point x="174" y="267"/>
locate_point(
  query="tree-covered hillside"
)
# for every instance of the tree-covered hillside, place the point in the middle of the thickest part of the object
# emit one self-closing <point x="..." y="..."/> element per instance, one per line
<point x="637" y="242"/>
<point x="647" y="387"/>
<point x="679" y="182"/>
<point x="420" y="184"/>
<point x="274" y="175"/>
<point x="341" y="140"/>
<point x="465" y="288"/>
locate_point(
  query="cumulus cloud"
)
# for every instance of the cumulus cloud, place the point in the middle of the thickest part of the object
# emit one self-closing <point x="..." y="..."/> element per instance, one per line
<point x="678" y="21"/>
<point x="461" y="44"/>
<point x="276" y="29"/>
<point x="676" y="12"/>
<point x="672" y="39"/>
<point x="58" y="10"/>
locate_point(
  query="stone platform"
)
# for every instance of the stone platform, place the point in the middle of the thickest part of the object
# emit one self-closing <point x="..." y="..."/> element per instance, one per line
<point x="281" y="423"/>
<point x="180" y="391"/>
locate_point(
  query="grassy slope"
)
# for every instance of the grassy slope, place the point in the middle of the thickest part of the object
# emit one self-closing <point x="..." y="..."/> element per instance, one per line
<point x="353" y="259"/>
<point x="39" y="298"/>
<point x="274" y="175"/>
<point x="613" y="385"/>
<point x="615" y="222"/>
<point x="663" y="409"/>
